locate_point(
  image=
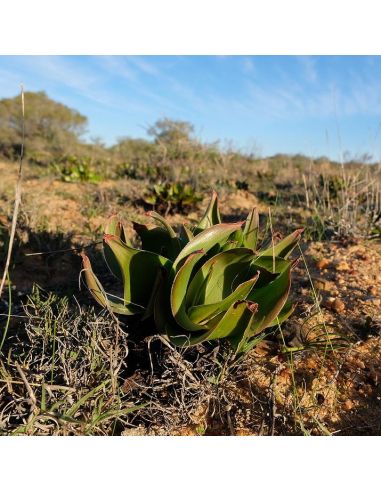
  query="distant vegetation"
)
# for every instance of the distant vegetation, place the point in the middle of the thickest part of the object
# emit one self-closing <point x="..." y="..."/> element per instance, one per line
<point x="54" y="132"/>
<point x="172" y="166"/>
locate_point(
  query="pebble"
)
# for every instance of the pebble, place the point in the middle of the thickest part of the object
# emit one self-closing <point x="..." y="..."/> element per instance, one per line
<point x="320" y="283"/>
<point x="335" y="304"/>
<point x="372" y="290"/>
<point x="323" y="263"/>
<point x="348" y="405"/>
<point x="342" y="266"/>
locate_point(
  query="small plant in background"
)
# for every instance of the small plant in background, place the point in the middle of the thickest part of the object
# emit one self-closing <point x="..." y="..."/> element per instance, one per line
<point x="345" y="206"/>
<point x="242" y="185"/>
<point x="73" y="169"/>
<point x="205" y="283"/>
<point x="172" y="198"/>
<point x="333" y="185"/>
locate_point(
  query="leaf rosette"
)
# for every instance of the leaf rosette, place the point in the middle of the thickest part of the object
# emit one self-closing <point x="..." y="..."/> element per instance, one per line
<point x="199" y="284"/>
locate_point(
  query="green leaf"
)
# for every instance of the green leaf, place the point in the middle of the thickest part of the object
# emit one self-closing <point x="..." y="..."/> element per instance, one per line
<point x="211" y="216"/>
<point x="284" y="314"/>
<point x="235" y="321"/>
<point x="250" y="231"/>
<point x="206" y="240"/>
<point x="204" y="312"/>
<point x="157" y="240"/>
<point x="107" y="301"/>
<point x="139" y="269"/>
<point x="215" y="279"/>
<point x="284" y="247"/>
<point x="270" y="300"/>
<point x="163" y="222"/>
<point x="178" y="293"/>
<point x="114" y="227"/>
<point x="186" y="235"/>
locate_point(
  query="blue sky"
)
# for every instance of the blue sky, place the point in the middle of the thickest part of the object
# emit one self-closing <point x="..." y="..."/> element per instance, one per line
<point x="315" y="105"/>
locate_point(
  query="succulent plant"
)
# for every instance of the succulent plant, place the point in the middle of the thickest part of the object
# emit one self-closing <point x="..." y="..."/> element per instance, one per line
<point x="175" y="197"/>
<point x="201" y="284"/>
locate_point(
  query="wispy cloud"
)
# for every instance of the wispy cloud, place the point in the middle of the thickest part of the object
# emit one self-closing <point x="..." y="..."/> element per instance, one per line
<point x="231" y="94"/>
<point x="310" y="72"/>
<point x="248" y="65"/>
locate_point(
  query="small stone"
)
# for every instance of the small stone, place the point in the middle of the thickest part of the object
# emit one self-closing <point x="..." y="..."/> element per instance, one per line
<point x="372" y="290"/>
<point x="323" y="263"/>
<point x="320" y="283"/>
<point x="348" y="405"/>
<point x="335" y="304"/>
<point x="342" y="266"/>
<point x="338" y="305"/>
<point x="242" y="432"/>
<point x="359" y="363"/>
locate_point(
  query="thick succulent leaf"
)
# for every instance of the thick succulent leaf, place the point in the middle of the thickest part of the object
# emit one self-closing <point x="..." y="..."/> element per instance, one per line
<point x="179" y="290"/>
<point x="107" y="301"/>
<point x="208" y="239"/>
<point x="250" y="231"/>
<point x="162" y="307"/>
<point x="204" y="312"/>
<point x="268" y="267"/>
<point x="114" y="227"/>
<point x="163" y="222"/>
<point x="249" y="318"/>
<point x="157" y="240"/>
<point x="211" y="216"/>
<point x="175" y="243"/>
<point x="236" y="320"/>
<point x="155" y="290"/>
<point x="270" y="300"/>
<point x="215" y="279"/>
<point x="284" y="247"/>
<point x="284" y="314"/>
<point x="273" y="264"/>
<point x="139" y="269"/>
<point x="186" y="235"/>
<point x="165" y="322"/>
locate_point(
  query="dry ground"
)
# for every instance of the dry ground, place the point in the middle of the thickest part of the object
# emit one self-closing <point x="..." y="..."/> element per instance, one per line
<point x="331" y="387"/>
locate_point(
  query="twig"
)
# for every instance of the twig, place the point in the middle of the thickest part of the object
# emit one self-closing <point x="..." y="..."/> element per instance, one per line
<point x="273" y="409"/>
<point x="17" y="198"/>
<point x="32" y="396"/>
<point x="64" y="250"/>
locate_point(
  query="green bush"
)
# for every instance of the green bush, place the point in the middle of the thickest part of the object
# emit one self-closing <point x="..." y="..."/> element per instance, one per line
<point x="172" y="198"/>
<point x="73" y="169"/>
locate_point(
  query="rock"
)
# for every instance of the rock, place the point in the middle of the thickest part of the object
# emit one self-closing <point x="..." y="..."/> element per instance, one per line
<point x="372" y="290"/>
<point x="348" y="405"/>
<point x="338" y="305"/>
<point x="342" y="266"/>
<point x="320" y="283"/>
<point x="335" y="304"/>
<point x="323" y="263"/>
